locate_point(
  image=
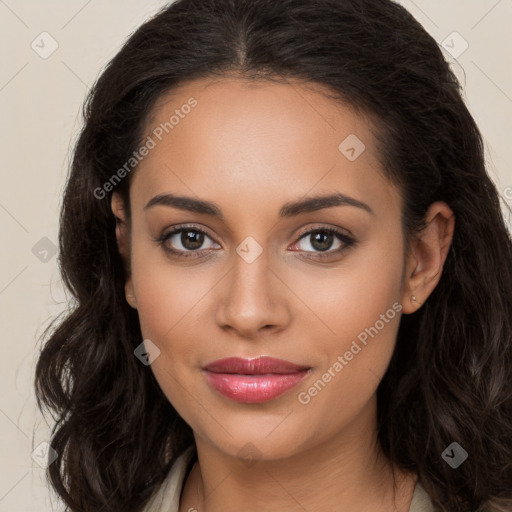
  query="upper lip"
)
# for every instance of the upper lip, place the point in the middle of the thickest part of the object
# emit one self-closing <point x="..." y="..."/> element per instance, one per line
<point x="256" y="366"/>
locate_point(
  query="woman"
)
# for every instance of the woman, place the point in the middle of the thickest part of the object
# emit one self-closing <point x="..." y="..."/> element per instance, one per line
<point x="291" y="272"/>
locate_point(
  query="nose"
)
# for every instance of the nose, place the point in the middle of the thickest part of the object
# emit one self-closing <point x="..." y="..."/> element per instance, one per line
<point x="252" y="299"/>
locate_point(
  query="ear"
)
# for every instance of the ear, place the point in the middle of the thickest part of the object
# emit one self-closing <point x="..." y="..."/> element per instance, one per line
<point x="123" y="244"/>
<point x="427" y="255"/>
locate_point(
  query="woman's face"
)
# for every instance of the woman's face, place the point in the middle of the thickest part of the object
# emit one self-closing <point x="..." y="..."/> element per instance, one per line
<point x="255" y="284"/>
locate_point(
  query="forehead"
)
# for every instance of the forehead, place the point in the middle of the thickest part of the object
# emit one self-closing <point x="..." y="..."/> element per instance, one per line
<point x="258" y="140"/>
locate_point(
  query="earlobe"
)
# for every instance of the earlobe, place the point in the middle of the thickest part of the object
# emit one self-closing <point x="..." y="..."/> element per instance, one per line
<point x="429" y="251"/>
<point x="129" y="294"/>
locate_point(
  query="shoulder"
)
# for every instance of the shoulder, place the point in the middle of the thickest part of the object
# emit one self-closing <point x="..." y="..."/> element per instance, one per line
<point x="167" y="497"/>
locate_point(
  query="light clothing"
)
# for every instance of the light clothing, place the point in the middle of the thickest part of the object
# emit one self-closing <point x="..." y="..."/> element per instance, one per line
<point x="167" y="498"/>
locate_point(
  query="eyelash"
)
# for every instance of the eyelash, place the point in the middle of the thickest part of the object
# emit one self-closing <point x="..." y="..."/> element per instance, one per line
<point x="348" y="241"/>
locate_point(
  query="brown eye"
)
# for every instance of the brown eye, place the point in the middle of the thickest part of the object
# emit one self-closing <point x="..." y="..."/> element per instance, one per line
<point x="183" y="240"/>
<point x="191" y="240"/>
<point x="319" y="242"/>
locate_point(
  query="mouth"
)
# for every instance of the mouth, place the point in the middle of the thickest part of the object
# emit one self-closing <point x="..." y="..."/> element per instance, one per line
<point x="253" y="380"/>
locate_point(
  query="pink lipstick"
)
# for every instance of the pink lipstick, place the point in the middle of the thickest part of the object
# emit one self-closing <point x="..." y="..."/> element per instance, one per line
<point x="253" y="380"/>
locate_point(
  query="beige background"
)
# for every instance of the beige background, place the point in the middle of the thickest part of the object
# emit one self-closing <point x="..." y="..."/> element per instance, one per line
<point x="40" y="102"/>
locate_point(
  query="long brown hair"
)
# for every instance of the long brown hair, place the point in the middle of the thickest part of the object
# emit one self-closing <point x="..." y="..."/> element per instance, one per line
<point x="450" y="378"/>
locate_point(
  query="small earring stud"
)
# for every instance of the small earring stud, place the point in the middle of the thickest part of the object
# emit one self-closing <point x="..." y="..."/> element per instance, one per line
<point x="413" y="297"/>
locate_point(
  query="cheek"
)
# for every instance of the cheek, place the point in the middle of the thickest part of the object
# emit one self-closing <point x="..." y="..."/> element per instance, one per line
<point x="168" y="304"/>
<point x="361" y="306"/>
<point x="351" y="370"/>
<point x="352" y="296"/>
<point x="167" y="291"/>
<point x="169" y="299"/>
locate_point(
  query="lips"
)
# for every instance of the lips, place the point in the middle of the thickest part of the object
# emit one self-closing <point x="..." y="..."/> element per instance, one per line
<point x="256" y="366"/>
<point x="253" y="380"/>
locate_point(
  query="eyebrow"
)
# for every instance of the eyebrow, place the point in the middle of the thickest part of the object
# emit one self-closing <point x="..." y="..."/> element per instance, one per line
<point x="290" y="209"/>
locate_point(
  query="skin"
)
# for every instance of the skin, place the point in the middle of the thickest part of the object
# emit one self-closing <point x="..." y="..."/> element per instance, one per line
<point x="250" y="148"/>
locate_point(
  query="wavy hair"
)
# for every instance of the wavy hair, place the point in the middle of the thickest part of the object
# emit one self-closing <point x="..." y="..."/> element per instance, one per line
<point x="450" y="376"/>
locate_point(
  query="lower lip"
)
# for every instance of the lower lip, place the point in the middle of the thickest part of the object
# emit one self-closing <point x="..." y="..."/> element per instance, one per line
<point x="253" y="388"/>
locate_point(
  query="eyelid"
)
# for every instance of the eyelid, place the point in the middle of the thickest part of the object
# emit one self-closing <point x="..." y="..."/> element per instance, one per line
<point x="325" y="227"/>
<point x="178" y="229"/>
<point x="345" y="236"/>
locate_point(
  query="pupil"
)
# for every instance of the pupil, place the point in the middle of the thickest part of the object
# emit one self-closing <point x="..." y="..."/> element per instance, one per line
<point x="193" y="240"/>
<point x="322" y="245"/>
<point x="187" y="239"/>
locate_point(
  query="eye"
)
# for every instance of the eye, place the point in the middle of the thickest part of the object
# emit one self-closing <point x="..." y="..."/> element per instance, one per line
<point x="322" y="240"/>
<point x="188" y="241"/>
<point x="185" y="239"/>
